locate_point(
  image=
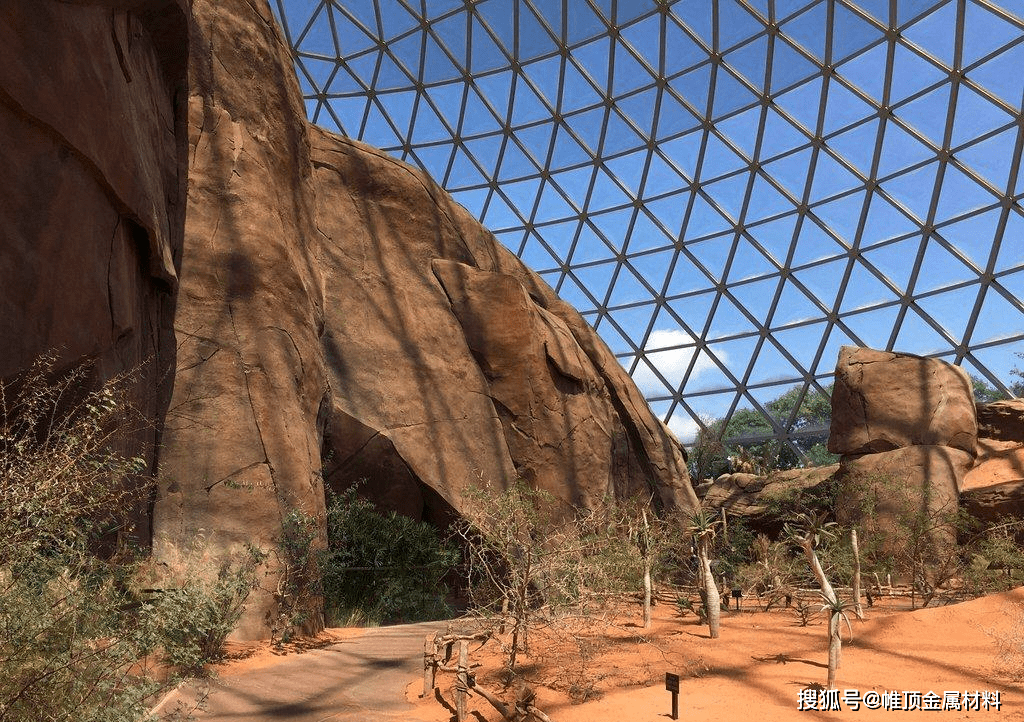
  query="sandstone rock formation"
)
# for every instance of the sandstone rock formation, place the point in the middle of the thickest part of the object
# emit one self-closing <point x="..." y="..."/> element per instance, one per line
<point x="92" y="118"/>
<point x="1001" y="421"/>
<point x="886" y="400"/>
<point x="450" y="360"/>
<point x="341" y="318"/>
<point x="751" y="496"/>
<point x="995" y="486"/>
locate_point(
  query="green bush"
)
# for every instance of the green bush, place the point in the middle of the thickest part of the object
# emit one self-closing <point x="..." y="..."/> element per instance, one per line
<point x="382" y="568"/>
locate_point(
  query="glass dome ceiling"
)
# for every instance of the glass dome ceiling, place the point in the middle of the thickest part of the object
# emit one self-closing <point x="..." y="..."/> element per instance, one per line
<point x="727" y="190"/>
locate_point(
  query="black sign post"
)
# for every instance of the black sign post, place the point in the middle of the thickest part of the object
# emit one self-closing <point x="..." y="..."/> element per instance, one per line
<point x="673" y="686"/>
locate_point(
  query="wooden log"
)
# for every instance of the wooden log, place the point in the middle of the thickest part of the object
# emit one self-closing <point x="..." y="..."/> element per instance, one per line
<point x="491" y="698"/>
<point x="462" y="684"/>
<point x="430" y="663"/>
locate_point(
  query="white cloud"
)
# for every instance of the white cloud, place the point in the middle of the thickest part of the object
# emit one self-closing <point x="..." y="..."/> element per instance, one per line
<point x="684" y="427"/>
<point x="671" y="363"/>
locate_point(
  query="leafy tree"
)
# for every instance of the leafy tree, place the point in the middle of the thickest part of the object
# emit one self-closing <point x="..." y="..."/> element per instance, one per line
<point x="382" y="567"/>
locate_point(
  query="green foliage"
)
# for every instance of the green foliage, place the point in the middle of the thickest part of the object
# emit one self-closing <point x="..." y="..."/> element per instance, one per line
<point x="382" y="567"/>
<point x="193" y="614"/>
<point x="71" y="629"/>
<point x="299" y="591"/>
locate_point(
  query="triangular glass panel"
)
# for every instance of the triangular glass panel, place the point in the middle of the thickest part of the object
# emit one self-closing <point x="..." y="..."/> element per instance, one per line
<point x="823" y="280"/>
<point x="874" y="326"/>
<point x="974" y="116"/>
<point x="534" y="40"/>
<point x="628" y="74"/>
<point x="719" y="159"/>
<point x="399" y="107"/>
<point x="831" y="178"/>
<point x="885" y="221"/>
<point x="528" y="107"/>
<point x="536" y="256"/>
<point x="698" y="20"/>
<point x="895" y="260"/>
<point x="451" y="31"/>
<point x="779" y="136"/>
<point x="775" y="236"/>
<point x="639" y="108"/>
<point x="704" y="220"/>
<point x="500" y="215"/>
<point x="485" y="55"/>
<point x="864" y="71"/>
<point x="1001" y="76"/>
<point x="536" y="140"/>
<point x="990" y="158"/>
<point x="974" y="236"/>
<point x="844" y="108"/>
<point x="485" y="150"/>
<point x="802" y="104"/>
<point x="729" y="193"/>
<point x="568" y="151"/>
<point x="669" y="210"/>
<point x="842" y="216"/>
<point x="736" y="24"/>
<point x="863" y="290"/>
<point x="628" y="169"/>
<point x="911" y="73"/>
<point x="809" y="29"/>
<point x="683" y="152"/>
<point x="742" y="130"/>
<point x="940" y="269"/>
<point x="791" y="172"/>
<point x="857" y="145"/>
<point x="794" y="306"/>
<point x="766" y="201"/>
<point x="771" y="366"/>
<point x="613" y="225"/>
<point x="559" y="237"/>
<point x="789" y="66"/>
<point x="950" y="310"/>
<point x="729" y="320"/>
<point x="686" y="277"/>
<point x="851" y="33"/>
<point x="916" y="336"/>
<point x="573" y="292"/>
<point x="755" y="296"/>
<point x="434" y="160"/>
<point x="749" y="262"/>
<point x="1010" y="254"/>
<point x="578" y="91"/>
<point x="628" y="289"/>
<point x="936" y="33"/>
<point x="801" y="341"/>
<point x="546" y="76"/>
<point x="673" y="117"/>
<point x="650" y="370"/>
<point x="653" y="267"/>
<point x="633" y="321"/>
<point x="694" y="309"/>
<point x="730" y="94"/>
<point x="596" y="278"/>
<point x="395" y="19"/>
<point x="985" y="32"/>
<point x="735" y="356"/>
<point x="593" y="59"/>
<point x="463" y="172"/>
<point x="646" y="235"/>
<point x="900" y="150"/>
<point x="913" y="190"/>
<point x="662" y="177"/>
<point x="522" y="195"/>
<point x="712" y="254"/>
<point x="960" y="194"/>
<point x="924" y="114"/>
<point x="516" y="163"/>
<point x="693" y="88"/>
<point x="581" y="23"/>
<point x="552" y="205"/>
<point x="318" y="70"/>
<point x="606" y="193"/>
<point x="620" y="136"/>
<point x="749" y="61"/>
<point x="590" y="246"/>
<point x="438" y="66"/>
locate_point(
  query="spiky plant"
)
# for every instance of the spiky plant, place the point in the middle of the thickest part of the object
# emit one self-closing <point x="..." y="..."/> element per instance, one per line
<point x="702" y="526"/>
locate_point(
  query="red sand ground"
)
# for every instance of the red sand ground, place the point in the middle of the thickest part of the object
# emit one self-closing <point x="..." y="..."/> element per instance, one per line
<point x="756" y="669"/>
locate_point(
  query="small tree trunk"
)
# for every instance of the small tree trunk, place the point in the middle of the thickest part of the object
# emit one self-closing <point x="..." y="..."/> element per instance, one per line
<point x="462" y="682"/>
<point x="647" y="572"/>
<point x="816" y="568"/>
<point x="711" y="592"/>
<point x="430" y="663"/>
<point x="834" y="649"/>
<point x="857" y="576"/>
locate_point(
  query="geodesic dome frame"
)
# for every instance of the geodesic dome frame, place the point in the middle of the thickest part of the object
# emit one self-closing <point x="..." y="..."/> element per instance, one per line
<point x="727" y="190"/>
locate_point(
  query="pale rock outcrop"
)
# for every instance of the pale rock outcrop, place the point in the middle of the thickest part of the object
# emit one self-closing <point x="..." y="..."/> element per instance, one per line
<point x="1002" y="421"/>
<point x="887" y="400"/>
<point x="752" y="496"/>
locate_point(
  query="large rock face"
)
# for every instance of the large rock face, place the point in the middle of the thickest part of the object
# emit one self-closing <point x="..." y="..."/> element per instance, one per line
<point x="885" y="400"/>
<point x="242" y="437"/>
<point x="450" y="361"/>
<point x="92" y="185"/>
<point x="341" y="318"/>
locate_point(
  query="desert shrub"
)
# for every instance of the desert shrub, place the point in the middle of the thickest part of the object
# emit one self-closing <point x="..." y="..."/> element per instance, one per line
<point x="193" y="614"/>
<point x="382" y="567"/>
<point x="72" y="629"/>
<point x="299" y="592"/>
